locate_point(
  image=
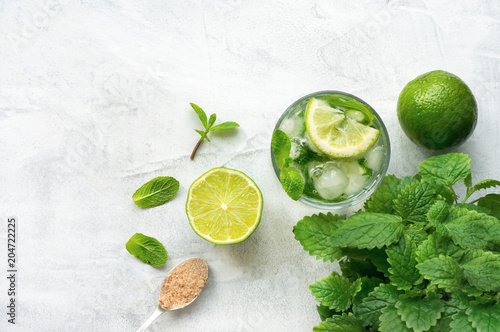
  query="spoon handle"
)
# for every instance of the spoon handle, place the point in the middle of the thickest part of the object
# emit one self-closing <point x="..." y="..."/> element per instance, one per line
<point x="151" y="319"/>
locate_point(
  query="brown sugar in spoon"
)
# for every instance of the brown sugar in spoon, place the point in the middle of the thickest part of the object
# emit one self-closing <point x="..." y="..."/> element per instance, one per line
<point x="182" y="286"/>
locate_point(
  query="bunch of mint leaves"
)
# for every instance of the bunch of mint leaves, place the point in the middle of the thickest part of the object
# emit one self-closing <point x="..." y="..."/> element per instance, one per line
<point x="415" y="259"/>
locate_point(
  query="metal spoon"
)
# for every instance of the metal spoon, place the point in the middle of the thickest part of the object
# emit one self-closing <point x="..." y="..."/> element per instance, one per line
<point x="165" y="290"/>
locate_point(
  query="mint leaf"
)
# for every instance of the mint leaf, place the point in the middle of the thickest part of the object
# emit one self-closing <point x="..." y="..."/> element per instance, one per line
<point x="483" y="272"/>
<point x="468" y="181"/>
<point x="450" y="309"/>
<point x="461" y="323"/>
<point x="404" y="273"/>
<point x="369" y="310"/>
<point x="368" y="230"/>
<point x="353" y="268"/>
<point x="325" y="312"/>
<point x="447" y="169"/>
<point x="438" y="244"/>
<point x="368" y="284"/>
<point x="470" y="229"/>
<point x="485" y="184"/>
<point x="444" y="272"/>
<point x="340" y="323"/>
<point x="437" y="212"/>
<point x="420" y="313"/>
<point x="414" y="201"/>
<point x="391" y="321"/>
<point x="334" y="292"/>
<point x="485" y="317"/>
<point x="201" y="114"/>
<point x="292" y="182"/>
<point x="379" y="259"/>
<point x="381" y="200"/>
<point x="472" y="207"/>
<point x="147" y="249"/>
<point x="211" y="121"/>
<point x="281" y="145"/>
<point x="366" y="170"/>
<point x="225" y="125"/>
<point x="156" y="192"/>
<point x="492" y="203"/>
<point x="416" y="233"/>
<point x="314" y="234"/>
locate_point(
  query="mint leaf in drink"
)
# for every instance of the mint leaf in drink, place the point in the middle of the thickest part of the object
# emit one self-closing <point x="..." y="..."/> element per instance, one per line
<point x="381" y="200"/>
<point x="485" y="317"/>
<point x="368" y="230"/>
<point x="444" y="272"/>
<point x="402" y="257"/>
<point x="292" y="182"/>
<point x="492" y="203"/>
<point x="290" y="178"/>
<point x="420" y="313"/>
<point x="447" y="169"/>
<point x="483" y="272"/>
<point x="414" y="201"/>
<point x="281" y="146"/>
<point x="340" y="323"/>
<point x="208" y="126"/>
<point x="334" y="292"/>
<point x="147" y="249"/>
<point x="156" y="192"/>
<point x="366" y="170"/>
<point x="314" y="234"/>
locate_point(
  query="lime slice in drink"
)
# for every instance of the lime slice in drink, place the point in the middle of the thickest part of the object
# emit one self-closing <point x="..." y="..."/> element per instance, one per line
<point x="224" y="206"/>
<point x="337" y="133"/>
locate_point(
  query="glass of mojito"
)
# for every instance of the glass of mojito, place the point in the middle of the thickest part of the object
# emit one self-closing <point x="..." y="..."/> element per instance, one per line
<point x="337" y="143"/>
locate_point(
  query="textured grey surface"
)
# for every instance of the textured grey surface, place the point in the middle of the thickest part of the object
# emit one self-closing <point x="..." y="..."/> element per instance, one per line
<point x="94" y="102"/>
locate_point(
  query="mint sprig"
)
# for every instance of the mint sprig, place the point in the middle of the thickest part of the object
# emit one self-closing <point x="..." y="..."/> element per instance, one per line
<point x="208" y="125"/>
<point x="415" y="259"/>
<point x="290" y="178"/>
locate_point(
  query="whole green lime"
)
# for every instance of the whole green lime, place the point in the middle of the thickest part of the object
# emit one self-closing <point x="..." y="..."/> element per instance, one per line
<point x="437" y="110"/>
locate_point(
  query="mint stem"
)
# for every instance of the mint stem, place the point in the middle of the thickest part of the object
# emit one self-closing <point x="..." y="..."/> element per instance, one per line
<point x="196" y="148"/>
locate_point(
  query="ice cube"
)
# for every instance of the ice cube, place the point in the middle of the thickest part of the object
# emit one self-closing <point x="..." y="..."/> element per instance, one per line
<point x="332" y="181"/>
<point x="293" y="126"/>
<point x="298" y="148"/>
<point x="354" y="172"/>
<point x="315" y="169"/>
<point x="374" y="158"/>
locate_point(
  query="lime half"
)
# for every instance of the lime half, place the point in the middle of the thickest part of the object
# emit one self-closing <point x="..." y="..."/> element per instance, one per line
<point x="224" y="206"/>
<point x="337" y="133"/>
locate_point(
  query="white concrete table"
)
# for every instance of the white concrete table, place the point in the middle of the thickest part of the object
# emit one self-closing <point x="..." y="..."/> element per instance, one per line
<point x="94" y="102"/>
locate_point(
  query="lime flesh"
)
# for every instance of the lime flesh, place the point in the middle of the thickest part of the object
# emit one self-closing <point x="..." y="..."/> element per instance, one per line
<point x="224" y="206"/>
<point x="336" y="134"/>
